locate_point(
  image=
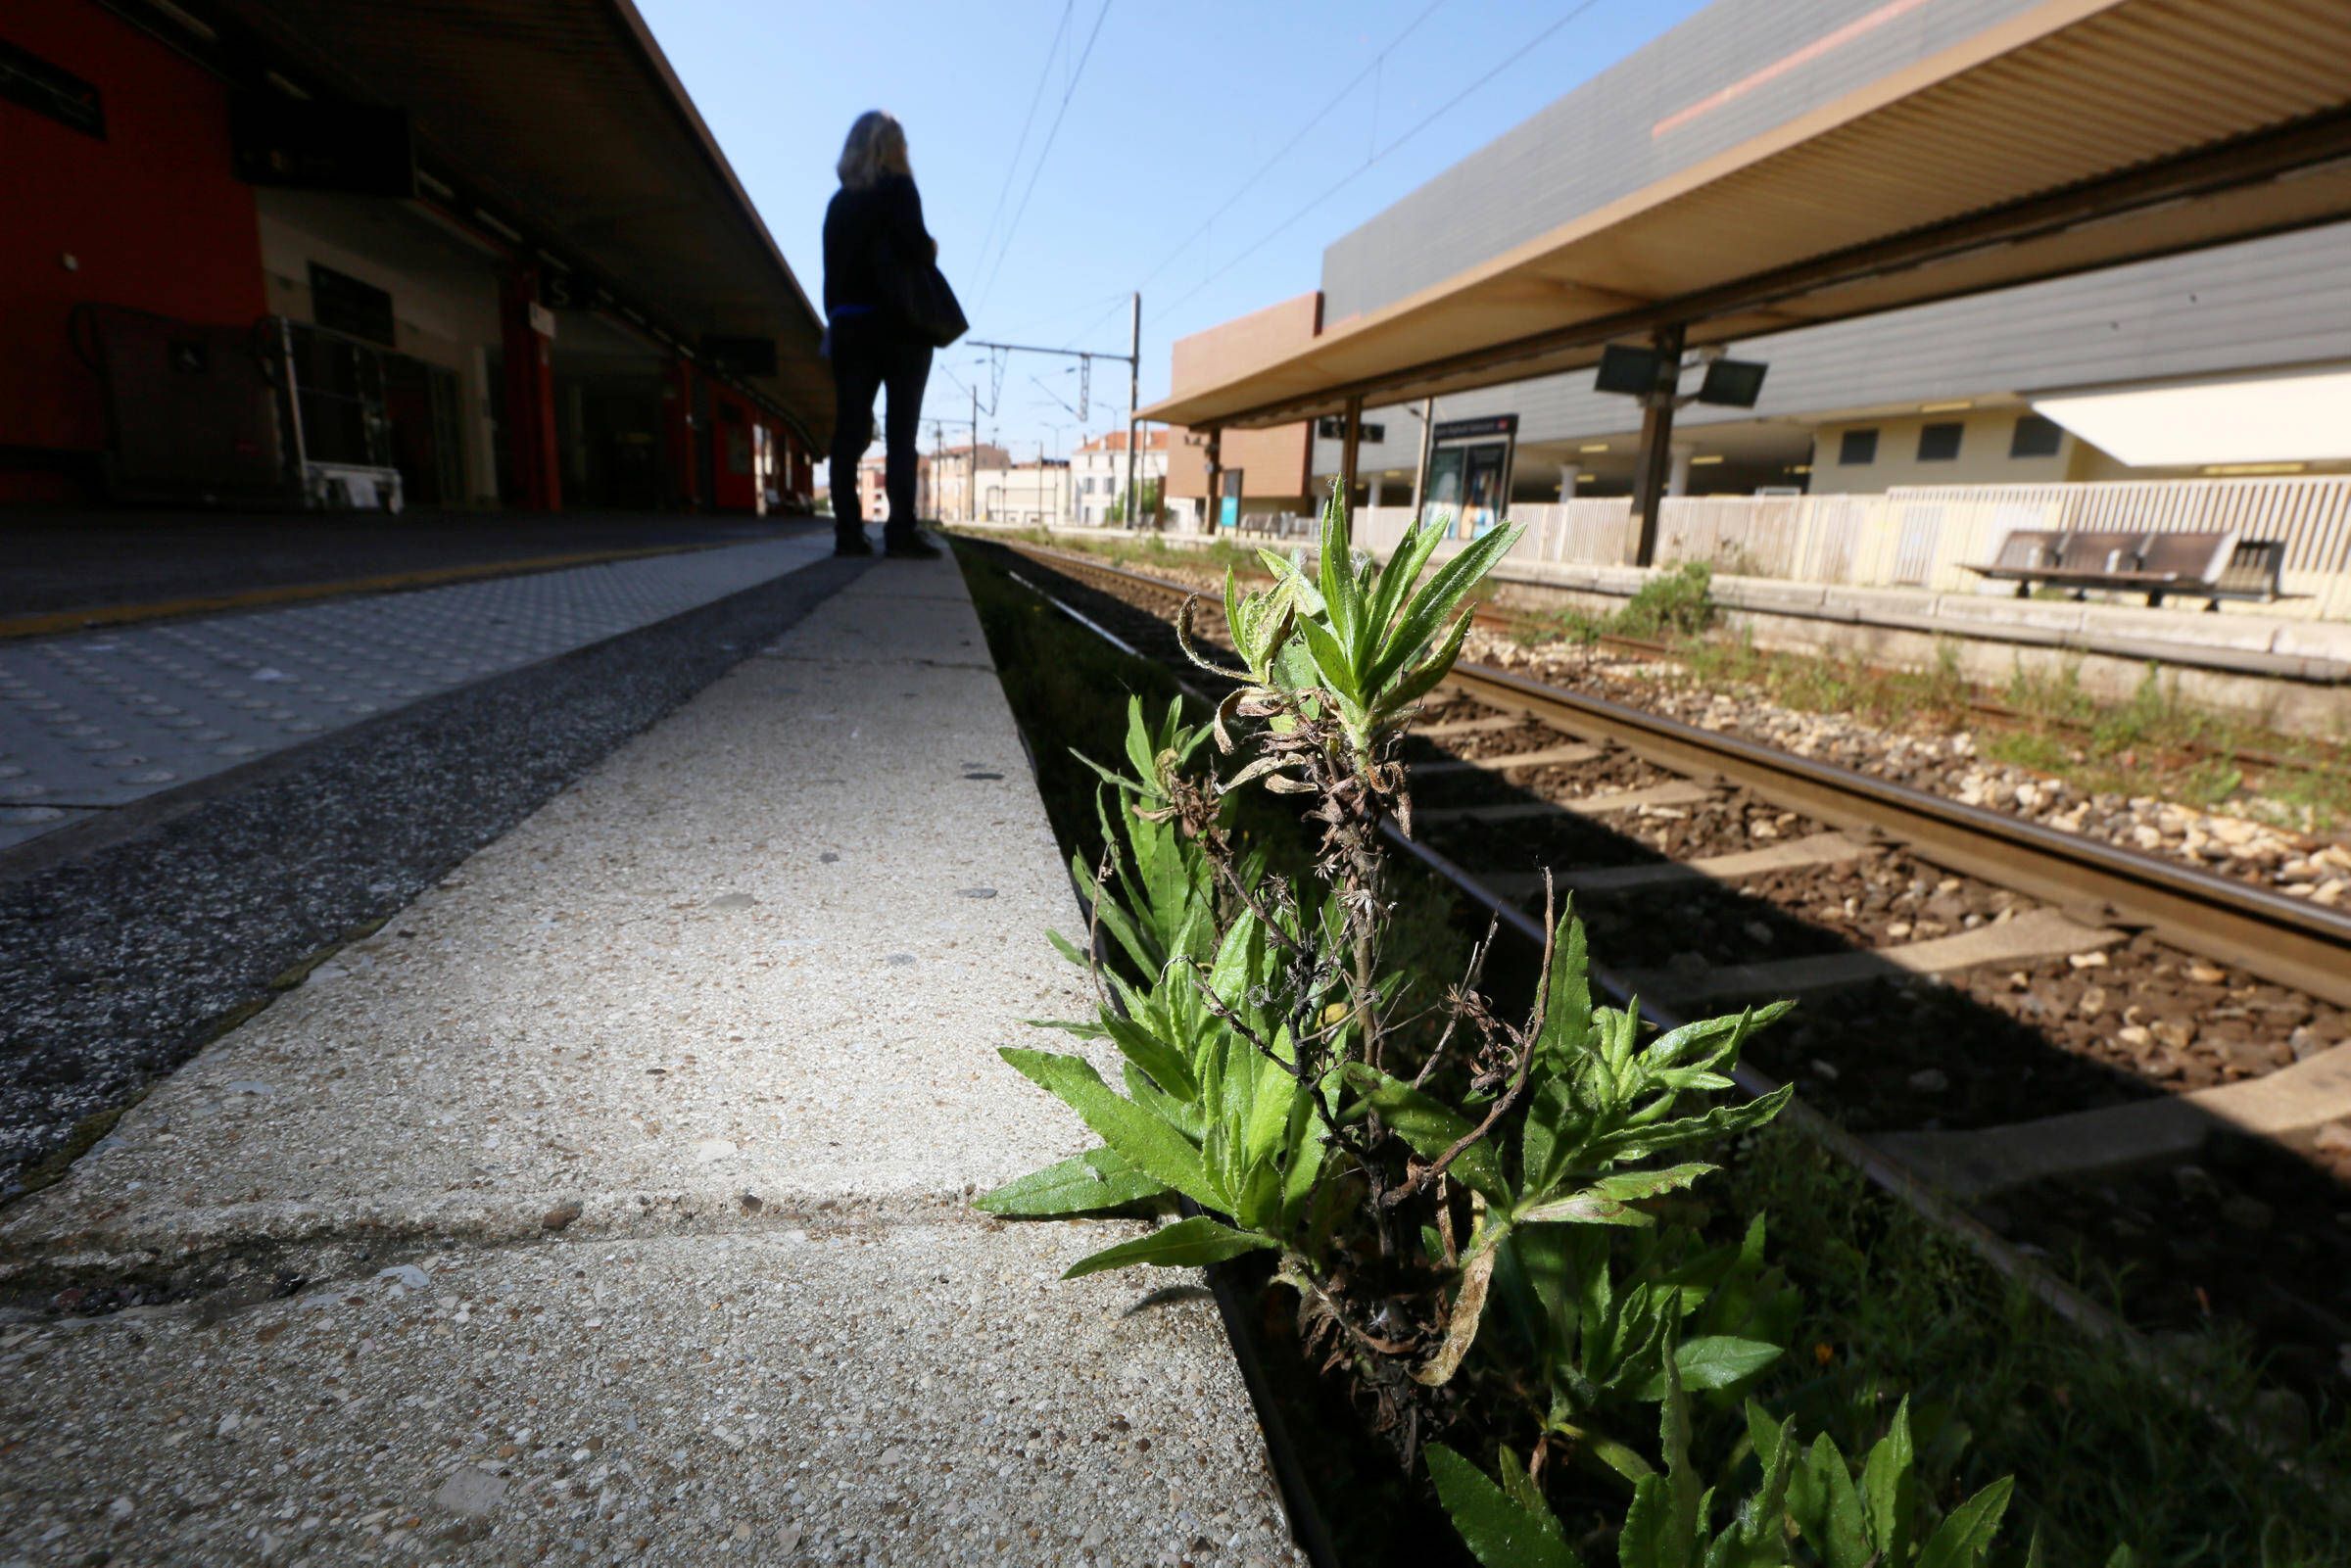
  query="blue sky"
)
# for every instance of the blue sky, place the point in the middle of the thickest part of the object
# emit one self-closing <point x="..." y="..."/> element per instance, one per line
<point x="1175" y="108"/>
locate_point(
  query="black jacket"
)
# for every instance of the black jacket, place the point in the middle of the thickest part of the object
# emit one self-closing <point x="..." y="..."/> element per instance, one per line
<point x="854" y="221"/>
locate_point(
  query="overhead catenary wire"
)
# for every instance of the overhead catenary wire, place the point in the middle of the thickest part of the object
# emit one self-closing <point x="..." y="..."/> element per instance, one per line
<point x="1057" y="397"/>
<point x="1012" y="164"/>
<point x="1297" y="136"/>
<point x="1012" y="229"/>
<point x="1046" y="326"/>
<point x="1114" y="308"/>
<point x="1440" y="112"/>
<point x="1111" y="308"/>
<point x="959" y="386"/>
<point x="1370" y="70"/>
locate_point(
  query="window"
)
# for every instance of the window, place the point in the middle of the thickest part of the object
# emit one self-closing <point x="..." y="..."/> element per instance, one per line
<point x="2035" y="436"/>
<point x="1939" y="443"/>
<point x="1857" y="447"/>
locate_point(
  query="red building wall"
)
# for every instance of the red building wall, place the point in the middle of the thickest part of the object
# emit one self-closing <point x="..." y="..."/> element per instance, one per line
<point x="736" y="489"/>
<point x="150" y="215"/>
<point x="533" y="459"/>
<point x="804" y="470"/>
<point x="676" y="421"/>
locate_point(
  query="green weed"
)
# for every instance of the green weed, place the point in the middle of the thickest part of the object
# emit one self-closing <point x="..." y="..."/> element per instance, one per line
<point x="1499" y="1231"/>
<point x="2103" y="1452"/>
<point x="1676" y="603"/>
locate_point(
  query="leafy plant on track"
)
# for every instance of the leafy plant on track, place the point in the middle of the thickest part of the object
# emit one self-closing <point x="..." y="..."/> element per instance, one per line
<point x="1476" y="1213"/>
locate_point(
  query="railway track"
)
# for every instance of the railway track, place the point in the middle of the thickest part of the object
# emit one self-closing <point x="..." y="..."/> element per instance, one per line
<point x="2046" y="1043"/>
<point x="1981" y="712"/>
<point x="1512" y="620"/>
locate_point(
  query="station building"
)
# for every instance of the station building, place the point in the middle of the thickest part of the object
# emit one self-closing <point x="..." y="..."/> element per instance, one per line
<point x="316" y="252"/>
<point x="2130" y="372"/>
<point x="1262" y="471"/>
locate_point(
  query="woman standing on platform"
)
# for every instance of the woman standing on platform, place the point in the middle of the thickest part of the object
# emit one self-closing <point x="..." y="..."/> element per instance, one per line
<point x="875" y="224"/>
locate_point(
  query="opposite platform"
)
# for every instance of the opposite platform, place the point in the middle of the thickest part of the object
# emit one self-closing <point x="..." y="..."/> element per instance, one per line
<point x="95" y="720"/>
<point x="625" y="1178"/>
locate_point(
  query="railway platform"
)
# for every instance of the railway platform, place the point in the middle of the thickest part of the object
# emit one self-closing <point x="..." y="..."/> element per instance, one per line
<point x="64" y="568"/>
<point x="94" y="721"/>
<point x="611" y="1200"/>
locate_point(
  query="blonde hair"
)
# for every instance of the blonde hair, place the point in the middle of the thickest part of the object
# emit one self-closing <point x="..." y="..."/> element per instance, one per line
<point x="876" y="146"/>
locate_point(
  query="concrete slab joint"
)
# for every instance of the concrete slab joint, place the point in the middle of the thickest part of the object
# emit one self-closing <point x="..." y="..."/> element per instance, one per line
<point x="623" y="1181"/>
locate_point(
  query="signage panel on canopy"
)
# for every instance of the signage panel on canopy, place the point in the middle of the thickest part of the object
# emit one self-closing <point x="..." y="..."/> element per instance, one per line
<point x="1500" y="424"/>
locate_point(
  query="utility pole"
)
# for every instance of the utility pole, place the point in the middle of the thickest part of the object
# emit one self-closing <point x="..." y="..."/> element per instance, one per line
<point x="1216" y="480"/>
<point x="1134" y="401"/>
<point x="1351" y="451"/>
<point x="939" y="448"/>
<point x="1134" y="358"/>
<point x="971" y="497"/>
<point x="1428" y="441"/>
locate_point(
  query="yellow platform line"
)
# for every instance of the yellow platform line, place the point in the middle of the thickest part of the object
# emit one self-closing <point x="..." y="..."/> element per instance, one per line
<point x="50" y="622"/>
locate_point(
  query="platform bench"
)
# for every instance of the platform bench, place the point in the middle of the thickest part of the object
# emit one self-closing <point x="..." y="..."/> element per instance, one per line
<point x="2210" y="566"/>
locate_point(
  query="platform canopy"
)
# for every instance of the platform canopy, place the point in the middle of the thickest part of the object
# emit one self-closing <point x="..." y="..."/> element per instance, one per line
<point x="564" y="114"/>
<point x="2078" y="134"/>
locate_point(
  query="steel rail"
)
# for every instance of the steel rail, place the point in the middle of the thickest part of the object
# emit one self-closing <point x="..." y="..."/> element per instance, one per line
<point x="2290" y="941"/>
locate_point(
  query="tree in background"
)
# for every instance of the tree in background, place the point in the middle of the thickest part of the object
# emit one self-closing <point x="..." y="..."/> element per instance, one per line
<point x="1154" y="508"/>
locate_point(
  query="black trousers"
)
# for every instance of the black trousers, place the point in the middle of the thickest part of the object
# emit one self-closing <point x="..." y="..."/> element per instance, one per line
<point x="870" y="353"/>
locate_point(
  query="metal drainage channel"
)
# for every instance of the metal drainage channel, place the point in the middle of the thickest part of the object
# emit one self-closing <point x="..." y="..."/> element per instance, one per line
<point x="1886" y="1174"/>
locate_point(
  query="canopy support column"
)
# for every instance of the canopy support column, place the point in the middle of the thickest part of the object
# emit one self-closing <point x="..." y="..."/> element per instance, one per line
<point x="1351" y="448"/>
<point x="1654" y="464"/>
<point x="1428" y="441"/>
<point x="528" y="418"/>
<point x="1212" y="512"/>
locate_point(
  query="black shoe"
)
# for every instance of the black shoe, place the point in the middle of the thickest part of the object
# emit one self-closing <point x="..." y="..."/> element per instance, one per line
<point x="913" y="547"/>
<point x="852" y="545"/>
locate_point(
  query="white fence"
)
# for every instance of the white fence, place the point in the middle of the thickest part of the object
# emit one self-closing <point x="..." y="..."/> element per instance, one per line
<point x="1925" y="537"/>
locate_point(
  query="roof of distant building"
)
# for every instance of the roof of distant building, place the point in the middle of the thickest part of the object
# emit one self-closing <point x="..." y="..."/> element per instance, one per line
<point x="1116" y="441"/>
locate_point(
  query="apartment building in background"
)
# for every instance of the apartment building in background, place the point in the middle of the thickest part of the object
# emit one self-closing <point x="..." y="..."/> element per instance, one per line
<point x="1031" y="495"/>
<point x="1099" y="472"/>
<point x="872" y="498"/>
<point x="948" y="476"/>
<point x="942" y="486"/>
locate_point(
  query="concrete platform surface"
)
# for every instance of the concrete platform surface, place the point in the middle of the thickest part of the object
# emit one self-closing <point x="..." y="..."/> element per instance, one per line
<point x="95" y="720"/>
<point x="72" y="559"/>
<point x="662" y="1112"/>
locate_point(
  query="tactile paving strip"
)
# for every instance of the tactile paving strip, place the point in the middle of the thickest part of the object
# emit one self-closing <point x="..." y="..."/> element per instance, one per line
<point x="101" y="719"/>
